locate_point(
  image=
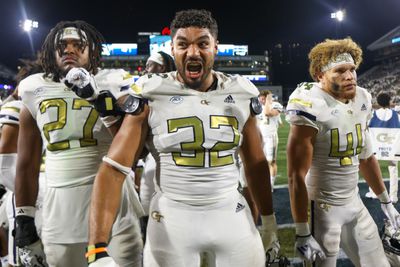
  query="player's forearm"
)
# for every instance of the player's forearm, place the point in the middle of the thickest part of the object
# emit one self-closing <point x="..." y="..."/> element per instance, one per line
<point x="298" y="198"/>
<point x="258" y="182"/>
<point x="26" y="187"/>
<point x="105" y="202"/>
<point x="371" y="172"/>
<point x="28" y="161"/>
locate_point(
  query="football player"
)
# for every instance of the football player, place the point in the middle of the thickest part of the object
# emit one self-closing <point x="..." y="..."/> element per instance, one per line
<point x="328" y="144"/>
<point x="194" y="121"/>
<point x="75" y="140"/>
<point x="159" y="62"/>
<point x="269" y="122"/>
<point x="385" y="117"/>
<point x="9" y="121"/>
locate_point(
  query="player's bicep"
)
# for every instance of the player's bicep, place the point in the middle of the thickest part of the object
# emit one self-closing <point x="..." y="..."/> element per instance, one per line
<point x="300" y="148"/>
<point x="251" y="150"/>
<point x="9" y="138"/>
<point x="28" y="161"/>
<point x="129" y="140"/>
<point x="29" y="140"/>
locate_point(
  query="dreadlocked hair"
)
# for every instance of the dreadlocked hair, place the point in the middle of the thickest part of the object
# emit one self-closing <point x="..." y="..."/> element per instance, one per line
<point x="93" y="41"/>
<point x="169" y="62"/>
<point x="194" y="18"/>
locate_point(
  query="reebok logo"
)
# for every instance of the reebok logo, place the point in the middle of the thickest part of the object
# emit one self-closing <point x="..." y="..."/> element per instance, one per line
<point x="229" y="99"/>
<point x="239" y="207"/>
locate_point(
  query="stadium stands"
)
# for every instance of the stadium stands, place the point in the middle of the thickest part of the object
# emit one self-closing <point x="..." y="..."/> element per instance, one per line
<point x="385" y="74"/>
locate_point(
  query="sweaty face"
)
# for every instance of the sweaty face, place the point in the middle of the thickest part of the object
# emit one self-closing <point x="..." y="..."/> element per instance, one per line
<point x="340" y="81"/>
<point x="194" y="50"/>
<point x="72" y="53"/>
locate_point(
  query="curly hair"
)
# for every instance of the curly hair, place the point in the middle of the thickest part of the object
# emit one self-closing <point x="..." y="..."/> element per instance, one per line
<point x="169" y="62"/>
<point x="327" y="50"/>
<point x="194" y="18"/>
<point x="93" y="40"/>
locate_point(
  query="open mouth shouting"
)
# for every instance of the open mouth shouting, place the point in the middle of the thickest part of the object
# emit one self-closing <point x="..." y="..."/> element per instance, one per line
<point x="194" y="70"/>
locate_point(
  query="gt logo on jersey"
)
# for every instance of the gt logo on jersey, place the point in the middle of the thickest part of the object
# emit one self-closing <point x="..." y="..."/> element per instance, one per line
<point x="156" y="216"/>
<point x="324" y="206"/>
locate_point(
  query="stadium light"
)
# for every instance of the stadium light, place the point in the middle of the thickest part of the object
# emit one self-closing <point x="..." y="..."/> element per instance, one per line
<point x="338" y="15"/>
<point x="28" y="24"/>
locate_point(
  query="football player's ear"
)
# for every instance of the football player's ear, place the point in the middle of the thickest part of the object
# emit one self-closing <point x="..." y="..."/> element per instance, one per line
<point x="172" y="49"/>
<point x="319" y="76"/>
<point x="216" y="46"/>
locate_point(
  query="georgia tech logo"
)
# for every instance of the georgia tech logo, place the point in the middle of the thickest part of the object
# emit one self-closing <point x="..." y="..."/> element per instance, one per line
<point x="156" y="216"/>
<point x="324" y="206"/>
<point x="385" y="138"/>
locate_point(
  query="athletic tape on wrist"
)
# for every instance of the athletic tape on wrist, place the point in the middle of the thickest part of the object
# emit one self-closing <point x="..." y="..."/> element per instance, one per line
<point x="121" y="168"/>
<point x="302" y="229"/>
<point x="25" y="211"/>
<point x="384" y="197"/>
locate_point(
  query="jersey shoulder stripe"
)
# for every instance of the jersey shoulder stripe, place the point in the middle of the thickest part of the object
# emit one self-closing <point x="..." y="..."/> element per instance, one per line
<point x="9" y="113"/>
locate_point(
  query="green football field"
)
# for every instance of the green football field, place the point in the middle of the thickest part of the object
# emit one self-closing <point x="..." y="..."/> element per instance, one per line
<point x="282" y="172"/>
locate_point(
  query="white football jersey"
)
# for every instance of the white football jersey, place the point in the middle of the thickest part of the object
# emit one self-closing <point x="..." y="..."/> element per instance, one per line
<point x="195" y="136"/>
<point x="74" y="136"/>
<point x="9" y="112"/>
<point x="269" y="124"/>
<point x="340" y="140"/>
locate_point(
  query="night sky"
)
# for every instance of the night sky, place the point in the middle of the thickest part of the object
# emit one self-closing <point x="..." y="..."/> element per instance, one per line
<point x="260" y="24"/>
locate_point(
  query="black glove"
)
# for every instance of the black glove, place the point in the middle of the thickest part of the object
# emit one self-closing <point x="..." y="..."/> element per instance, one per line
<point x="25" y="231"/>
<point x="106" y="105"/>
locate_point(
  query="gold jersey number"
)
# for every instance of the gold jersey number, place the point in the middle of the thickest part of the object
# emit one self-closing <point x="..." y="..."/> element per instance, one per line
<point x="61" y="105"/>
<point x="345" y="156"/>
<point x="195" y="147"/>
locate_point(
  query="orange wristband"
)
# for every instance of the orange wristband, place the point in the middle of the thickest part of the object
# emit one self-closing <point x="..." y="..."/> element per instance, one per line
<point x="95" y="251"/>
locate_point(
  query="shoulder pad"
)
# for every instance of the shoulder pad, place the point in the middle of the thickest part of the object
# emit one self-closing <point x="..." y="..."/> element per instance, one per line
<point x="255" y="106"/>
<point x="302" y="97"/>
<point x="30" y="84"/>
<point x="150" y="81"/>
<point x="114" y="80"/>
<point x="247" y="85"/>
<point x="305" y="102"/>
<point x="9" y="113"/>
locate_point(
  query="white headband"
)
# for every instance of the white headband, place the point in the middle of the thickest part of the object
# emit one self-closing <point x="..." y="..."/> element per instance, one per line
<point x="343" y="58"/>
<point x="157" y="58"/>
<point x="71" y="33"/>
